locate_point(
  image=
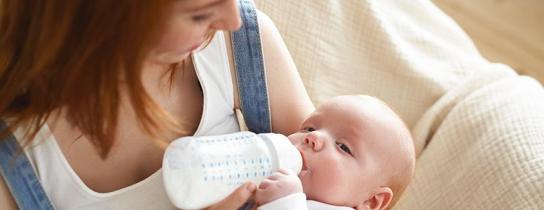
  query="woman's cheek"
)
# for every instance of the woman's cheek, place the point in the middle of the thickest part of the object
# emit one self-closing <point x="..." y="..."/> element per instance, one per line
<point x="173" y="43"/>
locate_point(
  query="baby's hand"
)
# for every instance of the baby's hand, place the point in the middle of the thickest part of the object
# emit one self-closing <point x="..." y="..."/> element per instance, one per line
<point x="282" y="183"/>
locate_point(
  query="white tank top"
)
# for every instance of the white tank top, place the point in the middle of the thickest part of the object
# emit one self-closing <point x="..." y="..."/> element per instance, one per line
<point x="67" y="191"/>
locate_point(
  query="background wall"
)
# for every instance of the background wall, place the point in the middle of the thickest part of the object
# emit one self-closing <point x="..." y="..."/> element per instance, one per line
<point x="505" y="31"/>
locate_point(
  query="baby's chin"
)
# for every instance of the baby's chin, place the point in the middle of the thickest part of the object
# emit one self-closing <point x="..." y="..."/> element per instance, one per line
<point x="321" y="196"/>
<point x="325" y="193"/>
<point x="304" y="173"/>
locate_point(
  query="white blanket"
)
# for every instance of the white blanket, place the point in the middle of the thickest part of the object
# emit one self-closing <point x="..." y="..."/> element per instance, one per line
<point x="478" y="126"/>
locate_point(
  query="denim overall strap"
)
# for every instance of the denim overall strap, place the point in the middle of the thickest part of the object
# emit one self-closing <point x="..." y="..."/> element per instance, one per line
<point x="250" y="72"/>
<point x="19" y="175"/>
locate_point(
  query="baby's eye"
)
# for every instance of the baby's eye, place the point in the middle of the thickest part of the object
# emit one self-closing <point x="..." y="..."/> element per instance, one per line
<point x="308" y="129"/>
<point x="344" y="147"/>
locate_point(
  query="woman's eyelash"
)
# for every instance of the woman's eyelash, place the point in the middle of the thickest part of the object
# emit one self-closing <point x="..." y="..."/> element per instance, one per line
<point x="200" y="18"/>
<point x="309" y="129"/>
<point x="345" y="148"/>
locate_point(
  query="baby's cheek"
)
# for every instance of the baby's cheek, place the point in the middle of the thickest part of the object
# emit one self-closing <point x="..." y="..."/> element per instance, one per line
<point x="326" y="184"/>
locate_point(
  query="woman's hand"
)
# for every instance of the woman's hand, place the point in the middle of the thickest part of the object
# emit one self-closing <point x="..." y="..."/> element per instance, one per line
<point x="236" y="199"/>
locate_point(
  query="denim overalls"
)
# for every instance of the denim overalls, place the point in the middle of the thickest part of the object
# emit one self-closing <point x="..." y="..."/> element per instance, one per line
<point x="250" y="75"/>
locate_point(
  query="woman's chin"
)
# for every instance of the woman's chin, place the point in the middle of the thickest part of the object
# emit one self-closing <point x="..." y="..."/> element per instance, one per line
<point x="170" y="58"/>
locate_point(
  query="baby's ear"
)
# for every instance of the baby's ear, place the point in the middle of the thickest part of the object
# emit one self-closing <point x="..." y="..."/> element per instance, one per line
<point x="379" y="200"/>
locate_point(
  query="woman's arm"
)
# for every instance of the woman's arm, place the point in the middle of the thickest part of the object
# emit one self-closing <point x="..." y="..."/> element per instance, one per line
<point x="5" y="197"/>
<point x="289" y="101"/>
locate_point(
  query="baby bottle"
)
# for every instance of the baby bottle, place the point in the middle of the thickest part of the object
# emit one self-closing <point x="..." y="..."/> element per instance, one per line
<point x="201" y="171"/>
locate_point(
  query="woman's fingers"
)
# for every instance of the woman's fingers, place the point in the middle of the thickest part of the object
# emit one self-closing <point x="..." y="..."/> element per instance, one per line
<point x="236" y="199"/>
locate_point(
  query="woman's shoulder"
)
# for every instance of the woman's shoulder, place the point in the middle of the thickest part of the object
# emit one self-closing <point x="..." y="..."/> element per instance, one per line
<point x="264" y="19"/>
<point x="289" y="101"/>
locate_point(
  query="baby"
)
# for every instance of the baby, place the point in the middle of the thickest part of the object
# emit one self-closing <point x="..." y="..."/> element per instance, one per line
<point x="357" y="153"/>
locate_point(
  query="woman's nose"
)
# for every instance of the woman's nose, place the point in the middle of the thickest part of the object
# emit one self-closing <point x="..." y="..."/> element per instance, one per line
<point x="314" y="141"/>
<point x="231" y="19"/>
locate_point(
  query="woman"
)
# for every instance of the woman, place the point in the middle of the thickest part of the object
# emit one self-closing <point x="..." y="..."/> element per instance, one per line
<point x="102" y="83"/>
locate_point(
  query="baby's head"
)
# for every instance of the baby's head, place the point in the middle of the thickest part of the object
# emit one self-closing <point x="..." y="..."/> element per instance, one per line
<point x="357" y="152"/>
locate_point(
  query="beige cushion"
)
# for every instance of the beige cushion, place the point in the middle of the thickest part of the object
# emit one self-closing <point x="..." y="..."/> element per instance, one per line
<point x="478" y="127"/>
<point x="371" y="47"/>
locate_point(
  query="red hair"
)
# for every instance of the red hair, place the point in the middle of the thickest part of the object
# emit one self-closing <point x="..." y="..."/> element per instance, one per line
<point x="78" y="55"/>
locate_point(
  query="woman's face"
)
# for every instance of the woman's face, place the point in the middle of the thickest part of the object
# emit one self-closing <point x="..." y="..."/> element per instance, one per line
<point x="191" y="23"/>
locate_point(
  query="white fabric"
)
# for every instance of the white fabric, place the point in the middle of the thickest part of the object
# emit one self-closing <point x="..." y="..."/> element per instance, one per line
<point x="67" y="191"/>
<point x="315" y="205"/>
<point x="213" y="70"/>
<point x="297" y="201"/>
<point x="478" y="126"/>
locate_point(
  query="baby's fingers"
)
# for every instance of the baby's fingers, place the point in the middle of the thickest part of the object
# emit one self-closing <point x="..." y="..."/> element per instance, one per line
<point x="265" y="183"/>
<point x="276" y="175"/>
<point x="286" y="171"/>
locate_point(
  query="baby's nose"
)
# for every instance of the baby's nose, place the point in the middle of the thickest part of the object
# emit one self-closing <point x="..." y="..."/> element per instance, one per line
<point x="314" y="141"/>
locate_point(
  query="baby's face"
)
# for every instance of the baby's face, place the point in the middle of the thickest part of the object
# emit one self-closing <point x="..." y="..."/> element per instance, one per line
<point x="344" y="145"/>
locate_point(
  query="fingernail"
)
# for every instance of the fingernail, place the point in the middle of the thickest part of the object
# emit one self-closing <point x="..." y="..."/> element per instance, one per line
<point x="250" y="187"/>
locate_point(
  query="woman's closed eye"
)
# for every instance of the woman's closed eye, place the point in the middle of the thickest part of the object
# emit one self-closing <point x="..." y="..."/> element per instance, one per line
<point x="344" y="148"/>
<point x="308" y="129"/>
<point x="201" y="17"/>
